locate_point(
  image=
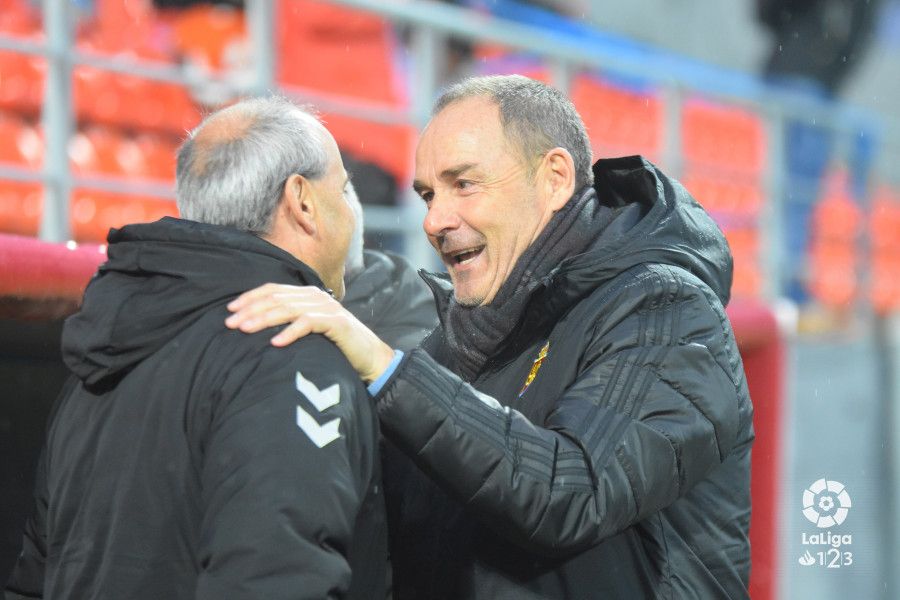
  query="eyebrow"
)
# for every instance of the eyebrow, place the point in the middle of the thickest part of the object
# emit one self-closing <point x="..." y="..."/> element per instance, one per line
<point x="446" y="174"/>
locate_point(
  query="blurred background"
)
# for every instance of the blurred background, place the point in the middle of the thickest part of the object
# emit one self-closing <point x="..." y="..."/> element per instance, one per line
<point x="782" y="117"/>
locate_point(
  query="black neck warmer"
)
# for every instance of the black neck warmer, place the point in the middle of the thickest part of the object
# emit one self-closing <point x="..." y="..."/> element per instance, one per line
<point x="475" y="333"/>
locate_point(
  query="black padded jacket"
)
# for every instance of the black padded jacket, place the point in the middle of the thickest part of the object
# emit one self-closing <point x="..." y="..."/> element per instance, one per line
<point x="186" y="460"/>
<point x="622" y="470"/>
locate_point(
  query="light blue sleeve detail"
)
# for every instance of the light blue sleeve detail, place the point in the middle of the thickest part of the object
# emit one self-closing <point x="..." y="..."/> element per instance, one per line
<point x="376" y="385"/>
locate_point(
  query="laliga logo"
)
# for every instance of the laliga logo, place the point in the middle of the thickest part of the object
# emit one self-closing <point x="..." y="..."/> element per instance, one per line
<point x="826" y="503"/>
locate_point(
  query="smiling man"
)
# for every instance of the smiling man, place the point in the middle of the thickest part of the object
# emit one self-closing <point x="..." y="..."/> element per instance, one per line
<point x="578" y="426"/>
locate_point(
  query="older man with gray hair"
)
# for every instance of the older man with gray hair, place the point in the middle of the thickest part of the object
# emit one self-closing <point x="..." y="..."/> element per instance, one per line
<point x="579" y="421"/>
<point x="184" y="460"/>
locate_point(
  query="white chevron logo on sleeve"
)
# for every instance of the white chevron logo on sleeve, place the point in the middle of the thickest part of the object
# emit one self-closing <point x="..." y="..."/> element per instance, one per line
<point x="321" y="435"/>
<point x="321" y="399"/>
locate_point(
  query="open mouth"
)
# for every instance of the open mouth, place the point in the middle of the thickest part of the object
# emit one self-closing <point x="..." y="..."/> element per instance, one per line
<point x="464" y="256"/>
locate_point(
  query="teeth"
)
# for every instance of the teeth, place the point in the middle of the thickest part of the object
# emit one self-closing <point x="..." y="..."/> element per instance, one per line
<point x="466" y="256"/>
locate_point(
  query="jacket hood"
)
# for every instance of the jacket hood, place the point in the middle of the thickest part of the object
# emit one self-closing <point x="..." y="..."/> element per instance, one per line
<point x="656" y="221"/>
<point x="160" y="278"/>
<point x="672" y="229"/>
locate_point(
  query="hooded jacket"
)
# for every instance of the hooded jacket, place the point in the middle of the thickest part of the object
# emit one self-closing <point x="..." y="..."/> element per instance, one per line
<point x="390" y="299"/>
<point x="186" y="460"/>
<point x="602" y="450"/>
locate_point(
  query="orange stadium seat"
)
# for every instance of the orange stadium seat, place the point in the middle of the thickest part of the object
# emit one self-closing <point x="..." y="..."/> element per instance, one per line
<point x="19" y="18"/>
<point x="744" y="244"/>
<point x="320" y="46"/>
<point x="20" y="207"/>
<point x="94" y="212"/>
<point x="836" y="216"/>
<point x="833" y="276"/>
<point x="125" y="101"/>
<point x="884" y="245"/>
<point x="203" y="33"/>
<point x="836" y="223"/>
<point x="95" y="151"/>
<point x="158" y="153"/>
<point x="727" y="137"/>
<point x="725" y="197"/>
<point x="21" y="82"/>
<point x="20" y="142"/>
<point x="619" y="121"/>
<point x="122" y="27"/>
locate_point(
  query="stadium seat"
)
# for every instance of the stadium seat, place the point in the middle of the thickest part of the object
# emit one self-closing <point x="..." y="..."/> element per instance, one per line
<point x="726" y="198"/>
<point x="116" y="27"/>
<point x="884" y="248"/>
<point x="320" y="46"/>
<point x="620" y="120"/>
<point x="202" y="33"/>
<point x="94" y="212"/>
<point x="729" y="138"/>
<point x="20" y="142"/>
<point x="95" y="150"/>
<point x="19" y="18"/>
<point x="21" y="82"/>
<point x="20" y="207"/>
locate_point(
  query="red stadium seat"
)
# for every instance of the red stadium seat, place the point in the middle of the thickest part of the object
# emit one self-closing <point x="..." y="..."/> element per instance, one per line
<point x="203" y="33"/>
<point x="21" y="82"/>
<point x="95" y="151"/>
<point x="884" y="245"/>
<point x="320" y="46"/>
<point x="93" y="212"/>
<point x="729" y="138"/>
<point x="727" y="198"/>
<point x="19" y="18"/>
<point x="20" y="142"/>
<point x="159" y="154"/>
<point x="20" y="207"/>
<point x="619" y="121"/>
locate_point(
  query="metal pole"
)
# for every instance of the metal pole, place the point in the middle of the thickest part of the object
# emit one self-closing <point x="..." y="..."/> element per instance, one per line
<point x="261" y="27"/>
<point x="771" y="219"/>
<point x="672" y="157"/>
<point x="561" y="75"/>
<point x="57" y="120"/>
<point x="427" y="61"/>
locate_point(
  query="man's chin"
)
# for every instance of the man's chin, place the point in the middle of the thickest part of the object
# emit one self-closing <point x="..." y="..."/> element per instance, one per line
<point x="467" y="299"/>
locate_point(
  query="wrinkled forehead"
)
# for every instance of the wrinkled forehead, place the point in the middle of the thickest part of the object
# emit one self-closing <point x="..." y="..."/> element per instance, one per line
<point x="467" y="130"/>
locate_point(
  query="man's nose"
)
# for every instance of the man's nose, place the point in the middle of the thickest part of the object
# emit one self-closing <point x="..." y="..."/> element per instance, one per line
<point x="441" y="217"/>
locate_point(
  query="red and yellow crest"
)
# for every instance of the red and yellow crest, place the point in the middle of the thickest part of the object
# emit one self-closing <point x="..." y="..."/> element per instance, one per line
<point x="535" y="367"/>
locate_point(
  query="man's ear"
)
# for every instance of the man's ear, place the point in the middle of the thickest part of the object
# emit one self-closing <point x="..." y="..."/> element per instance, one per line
<point x="300" y="203"/>
<point x="558" y="176"/>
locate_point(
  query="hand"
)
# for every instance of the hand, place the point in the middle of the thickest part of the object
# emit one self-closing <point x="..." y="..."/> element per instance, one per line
<point x="312" y="311"/>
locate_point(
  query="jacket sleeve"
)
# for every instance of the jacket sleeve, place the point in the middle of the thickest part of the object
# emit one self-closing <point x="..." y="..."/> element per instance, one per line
<point x="646" y="418"/>
<point x="27" y="577"/>
<point x="284" y="473"/>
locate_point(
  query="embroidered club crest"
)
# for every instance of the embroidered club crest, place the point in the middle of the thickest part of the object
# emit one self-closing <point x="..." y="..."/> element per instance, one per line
<point x="535" y="367"/>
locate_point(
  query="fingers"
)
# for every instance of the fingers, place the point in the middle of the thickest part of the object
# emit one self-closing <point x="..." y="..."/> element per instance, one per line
<point x="292" y="333"/>
<point x="312" y="322"/>
<point x="253" y="295"/>
<point x="270" y="305"/>
<point x="270" y="290"/>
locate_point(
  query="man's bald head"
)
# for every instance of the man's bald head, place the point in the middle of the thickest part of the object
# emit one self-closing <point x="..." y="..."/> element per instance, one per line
<point x="232" y="168"/>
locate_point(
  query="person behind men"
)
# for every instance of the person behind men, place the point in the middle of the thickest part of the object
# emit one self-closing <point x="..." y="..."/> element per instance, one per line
<point x="189" y="461"/>
<point x="383" y="290"/>
<point x="580" y="419"/>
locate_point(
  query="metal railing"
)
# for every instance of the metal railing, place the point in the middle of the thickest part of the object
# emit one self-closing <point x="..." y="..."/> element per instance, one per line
<point x="431" y="23"/>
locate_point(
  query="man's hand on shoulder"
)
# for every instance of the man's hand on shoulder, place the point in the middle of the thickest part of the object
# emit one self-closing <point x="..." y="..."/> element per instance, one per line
<point x="310" y="310"/>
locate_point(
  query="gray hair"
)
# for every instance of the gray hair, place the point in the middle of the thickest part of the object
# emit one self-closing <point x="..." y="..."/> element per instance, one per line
<point x="236" y="178"/>
<point x="535" y="117"/>
<point x="355" y="262"/>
